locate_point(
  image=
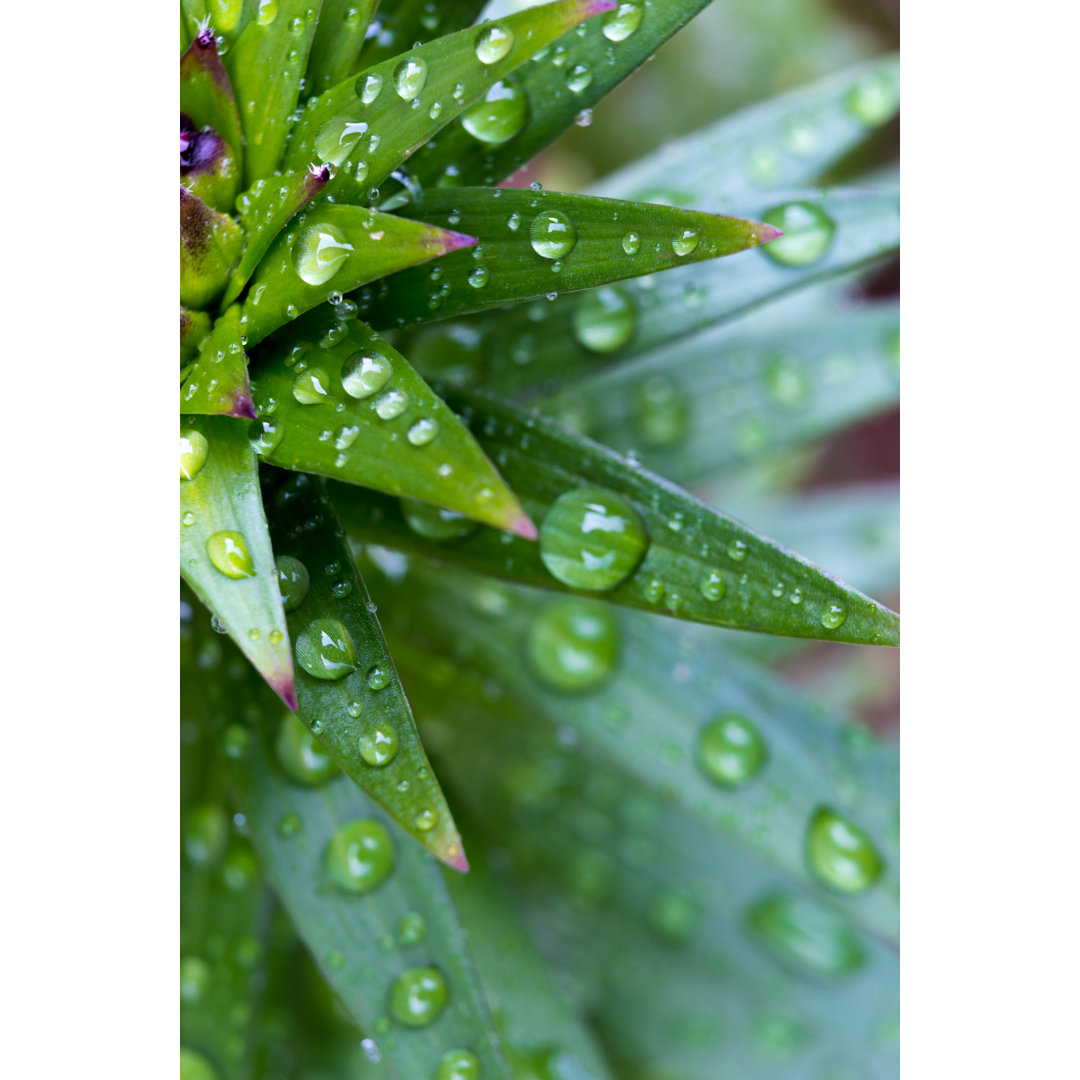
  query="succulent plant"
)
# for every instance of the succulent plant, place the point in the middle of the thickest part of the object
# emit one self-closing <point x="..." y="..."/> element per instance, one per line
<point x="420" y="414"/>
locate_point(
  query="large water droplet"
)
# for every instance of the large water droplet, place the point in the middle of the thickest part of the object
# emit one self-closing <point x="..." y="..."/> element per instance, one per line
<point x="592" y="539"/>
<point x="337" y="137"/>
<point x="498" y="116"/>
<point x="685" y="241"/>
<point x="425" y="430"/>
<point x="833" y="617"/>
<point x="265" y="434"/>
<point x="604" y="319"/>
<point x="319" y="252"/>
<point x="808" y="232"/>
<point x="579" y="78"/>
<point x="619" y="24"/>
<point x="293" y="581"/>
<point x="311" y="387"/>
<point x="552" y="234"/>
<point x="730" y="750"/>
<point x="325" y="650"/>
<point x="418" y="996"/>
<point x="300" y="754"/>
<point x="840" y="854"/>
<point x="193" y="453"/>
<point x="459" y="1065"/>
<point x="805" y="936"/>
<point x="379" y="744"/>
<point x="368" y="87"/>
<point x="365" y="373"/>
<point x="493" y="43"/>
<point x="573" y="644"/>
<point x="409" y="77"/>
<point x="434" y="522"/>
<point x="360" y="856"/>
<point x="267" y="12"/>
<point x="229" y="554"/>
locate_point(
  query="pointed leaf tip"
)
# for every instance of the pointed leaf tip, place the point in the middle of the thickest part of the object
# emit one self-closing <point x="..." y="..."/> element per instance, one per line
<point x="456" y="862"/>
<point x="285" y="688"/>
<point x="768" y="232"/>
<point x="596" y="7"/>
<point x="243" y="408"/>
<point x="523" y="526"/>
<point x="449" y="241"/>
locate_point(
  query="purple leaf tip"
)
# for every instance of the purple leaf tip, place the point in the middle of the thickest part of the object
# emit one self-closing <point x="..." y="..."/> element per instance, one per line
<point x="522" y="526"/>
<point x="205" y="38"/>
<point x="456" y="861"/>
<point x="243" y="408"/>
<point x="595" y="7"/>
<point x="768" y="232"/>
<point x="453" y="241"/>
<point x="285" y="688"/>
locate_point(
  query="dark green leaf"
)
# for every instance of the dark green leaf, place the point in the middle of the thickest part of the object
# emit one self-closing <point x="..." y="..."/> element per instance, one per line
<point x="266" y="64"/>
<point x="206" y="95"/>
<point x="225" y="553"/>
<point x="692" y="562"/>
<point x="369" y="125"/>
<point x="576" y="73"/>
<point x="336" y="399"/>
<point x="218" y="381"/>
<point x="348" y="691"/>
<point x="339" y="37"/>
<point x="532" y="243"/>
<point x="333" y="249"/>
<point x="398" y="26"/>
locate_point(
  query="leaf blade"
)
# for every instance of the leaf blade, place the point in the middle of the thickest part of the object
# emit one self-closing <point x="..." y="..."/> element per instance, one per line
<point x="217" y="383"/>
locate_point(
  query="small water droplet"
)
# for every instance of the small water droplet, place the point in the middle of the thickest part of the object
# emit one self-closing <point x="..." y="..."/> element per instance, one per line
<point x="874" y="98"/>
<point x="493" y="43"/>
<point x="579" y="78"/>
<point x="337" y="137"/>
<point x="325" y="650"/>
<point x="604" y="319"/>
<point x="409" y="77"/>
<point x="264" y="435"/>
<point x="478" y="277"/>
<point x="552" y="234"/>
<point x="300" y="754"/>
<point x="368" y="87"/>
<point x="379" y="744"/>
<point x="737" y="550"/>
<point x="267" y="12"/>
<point x="365" y="373"/>
<point x="293" y="581"/>
<point x="423" y="431"/>
<point x="713" y="585"/>
<point x="731" y="750"/>
<point x="360" y="856"/>
<point x="290" y="825"/>
<point x="311" y="386"/>
<point x="631" y="242"/>
<point x="426" y="820"/>
<point x="228" y="552"/>
<point x="685" y="241"/>
<point x="412" y="929"/>
<point x="808" y="233"/>
<point x="392" y="404"/>
<point x="434" y="522"/>
<point x="418" y="996"/>
<point x="619" y="24"/>
<point x="319" y="252"/>
<point x="840" y="854"/>
<point x="802" y="935"/>
<point x="462" y="1065"/>
<point x="194" y="450"/>
<point x="833" y="617"/>
<point x="573" y="645"/>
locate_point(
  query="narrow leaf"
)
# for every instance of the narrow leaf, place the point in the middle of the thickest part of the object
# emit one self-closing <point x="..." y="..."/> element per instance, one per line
<point x="210" y="245"/>
<point x="374" y="938"/>
<point x="369" y="125"/>
<point x="206" y="95"/>
<point x="784" y="142"/>
<point x="336" y="399"/>
<point x="225" y="553"/>
<point x="532" y="243"/>
<point x="348" y="690"/>
<point x="218" y="381"/>
<point x="742" y="390"/>
<point x="264" y="211"/>
<point x="194" y="328"/>
<point x="398" y="26"/>
<point x="331" y="250"/>
<point x="266" y="64"/>
<point x="339" y="37"/>
<point x="573" y="76"/>
<point x="612" y="530"/>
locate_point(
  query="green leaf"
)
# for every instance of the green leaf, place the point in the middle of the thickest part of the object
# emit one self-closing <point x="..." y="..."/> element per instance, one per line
<point x="266" y="64"/>
<point x="339" y="37"/>
<point x="369" y="125"/>
<point x="784" y="142"/>
<point x="194" y="328"/>
<point x="206" y="95"/>
<point x="574" y="75"/>
<point x="532" y="243"/>
<point x="741" y="391"/>
<point x="265" y="210"/>
<point x="218" y="381"/>
<point x="210" y="245"/>
<point x="675" y="555"/>
<point x="673" y="710"/>
<point x="225" y="553"/>
<point x="365" y="941"/>
<point x="400" y="25"/>
<point x="337" y="400"/>
<point x="331" y="250"/>
<point x="542" y="345"/>
<point x="347" y="688"/>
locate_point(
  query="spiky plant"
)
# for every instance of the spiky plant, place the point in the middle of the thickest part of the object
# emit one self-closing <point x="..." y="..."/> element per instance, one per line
<point x="403" y="384"/>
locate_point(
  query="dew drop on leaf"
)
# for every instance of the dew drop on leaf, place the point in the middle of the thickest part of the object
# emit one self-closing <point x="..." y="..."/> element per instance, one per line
<point x="325" y="650"/>
<point x="418" y="996"/>
<point x="459" y="1065"/>
<point x="228" y="553"/>
<point x="412" y="929"/>
<point x="686" y="241"/>
<point x="840" y="854"/>
<point x="293" y="581"/>
<point x="194" y="450"/>
<point x="392" y="404"/>
<point x="360" y="856"/>
<point x="435" y="523"/>
<point x="801" y="934"/>
<point x="264" y="435"/>
<point x="833" y="617"/>
<point x="493" y="43"/>
<point x="365" y="373"/>
<point x="874" y="99"/>
<point x="579" y="78"/>
<point x="409" y="77"/>
<point x="573" y="645"/>
<point x="604" y="319"/>
<point x="552" y="234"/>
<point x="368" y="87"/>
<point x="730" y="750"/>
<point x="379" y="744"/>
<point x="808" y="232"/>
<point x="619" y="24"/>
<point x="498" y="116"/>
<point x="631" y="242"/>
<point x="311" y="387"/>
<point x="300" y="754"/>
<point x="425" y="430"/>
<point x="661" y="412"/>
<point x="319" y="252"/>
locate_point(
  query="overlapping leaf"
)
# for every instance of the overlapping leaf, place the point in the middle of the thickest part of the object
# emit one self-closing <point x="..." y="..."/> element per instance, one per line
<point x="336" y="399"/>
<point x="206" y="95"/>
<point x="399" y="26"/>
<point x="335" y="49"/>
<point x="347" y="688"/>
<point x="532" y="243"/>
<point x="693" y="563"/>
<point x="225" y="553"/>
<point x="217" y="383"/>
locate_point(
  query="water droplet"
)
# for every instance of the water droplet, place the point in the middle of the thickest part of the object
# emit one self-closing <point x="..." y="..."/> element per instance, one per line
<point x="874" y="98"/>
<point x="592" y="539"/>
<point x="206" y="832"/>
<point x="686" y="241"/>
<point x="731" y="750"/>
<point x="418" y="996"/>
<point x="833" y="617"/>
<point x="426" y="820"/>
<point x="379" y="744"/>
<point x="674" y="917"/>
<point x="311" y="387"/>
<point x="193" y="453"/>
<point x="360" y="856"/>
<point x="493" y="43"/>
<point x="293" y="581"/>
<point x="423" y="431"/>
<point x="194" y="978"/>
<point x="460" y="1065"/>
<point x="290" y="825"/>
<point x="785" y="381"/>
<point x="365" y="373"/>
<point x="409" y="77"/>
<point x="840" y="854"/>
<point x="498" y="116"/>
<point x="631" y="242"/>
<point x="264" y="435"/>
<point x="478" y="278"/>
<point x="325" y="650"/>
<point x="808" y="232"/>
<point x="378" y="678"/>
<point x="188" y="518"/>
<point x="604" y="319"/>
<point x="661" y="412"/>
<point x="805" y="936"/>
<point x="579" y="78"/>
<point x="412" y="929"/>
<point x="713" y="585"/>
<point x="737" y="550"/>
<point x="229" y="554"/>
<point x="619" y="24"/>
<point x="552" y="234"/>
<point x="573" y="644"/>
<point x="300" y="754"/>
<point x="337" y="137"/>
<point x="435" y="523"/>
<point x="392" y="404"/>
<point x="368" y="87"/>
<point x="319" y="252"/>
<point x="267" y="12"/>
